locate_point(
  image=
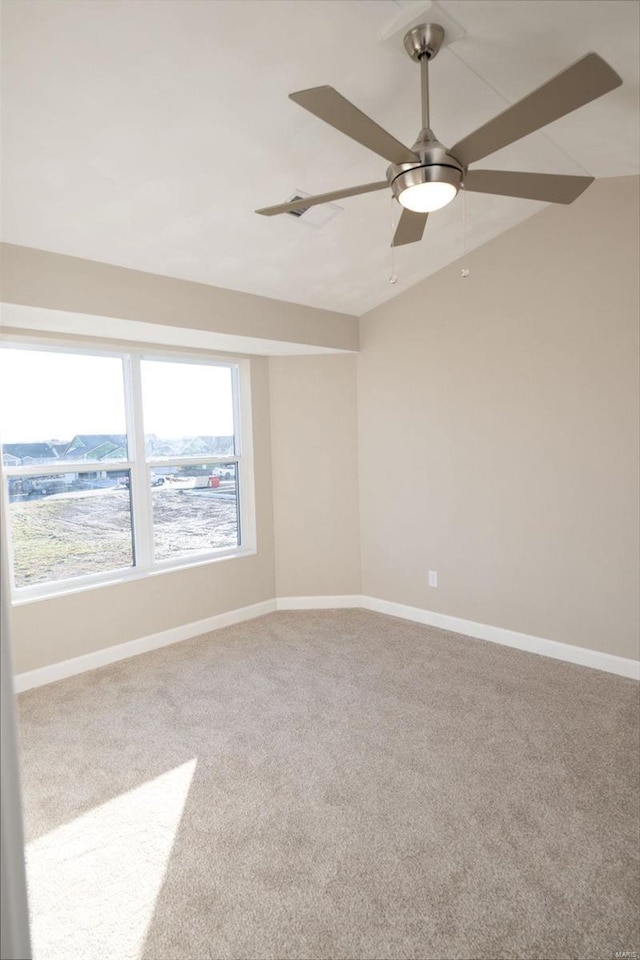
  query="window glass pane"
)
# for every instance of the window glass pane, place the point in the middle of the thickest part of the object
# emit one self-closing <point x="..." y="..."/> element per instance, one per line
<point x="69" y="524"/>
<point x="195" y="509"/>
<point x="187" y="409"/>
<point x="60" y="406"/>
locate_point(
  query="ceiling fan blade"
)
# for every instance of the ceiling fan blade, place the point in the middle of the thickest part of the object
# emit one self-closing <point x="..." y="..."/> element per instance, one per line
<point x="305" y="202"/>
<point x="330" y="106"/>
<point x="580" y="83"/>
<point x="410" y="228"/>
<point x="551" y="187"/>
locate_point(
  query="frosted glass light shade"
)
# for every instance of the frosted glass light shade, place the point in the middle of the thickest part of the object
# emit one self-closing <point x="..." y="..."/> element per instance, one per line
<point x="427" y="197"/>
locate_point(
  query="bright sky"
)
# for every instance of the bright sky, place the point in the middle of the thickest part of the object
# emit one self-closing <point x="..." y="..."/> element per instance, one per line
<point x="52" y="396"/>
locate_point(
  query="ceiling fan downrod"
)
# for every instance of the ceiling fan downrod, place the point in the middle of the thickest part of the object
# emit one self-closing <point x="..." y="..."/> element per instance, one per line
<point x="422" y="44"/>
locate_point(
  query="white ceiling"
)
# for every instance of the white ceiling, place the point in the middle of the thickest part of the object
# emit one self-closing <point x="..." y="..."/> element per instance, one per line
<point x="145" y="132"/>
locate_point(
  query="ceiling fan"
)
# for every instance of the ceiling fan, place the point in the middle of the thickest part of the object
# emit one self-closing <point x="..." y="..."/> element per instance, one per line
<point x="427" y="176"/>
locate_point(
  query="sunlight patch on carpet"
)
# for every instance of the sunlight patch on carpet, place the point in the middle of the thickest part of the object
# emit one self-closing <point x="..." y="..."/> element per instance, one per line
<point x="95" y="880"/>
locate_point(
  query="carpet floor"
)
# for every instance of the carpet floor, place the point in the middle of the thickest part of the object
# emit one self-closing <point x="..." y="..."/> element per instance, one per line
<point x="335" y="784"/>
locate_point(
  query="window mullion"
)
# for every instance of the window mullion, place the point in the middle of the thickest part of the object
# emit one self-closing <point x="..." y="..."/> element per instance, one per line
<point x="243" y="426"/>
<point x="140" y="483"/>
<point x="237" y="412"/>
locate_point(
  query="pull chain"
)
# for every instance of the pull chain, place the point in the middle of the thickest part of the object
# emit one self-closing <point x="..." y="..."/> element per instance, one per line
<point x="465" y="270"/>
<point x="393" y="277"/>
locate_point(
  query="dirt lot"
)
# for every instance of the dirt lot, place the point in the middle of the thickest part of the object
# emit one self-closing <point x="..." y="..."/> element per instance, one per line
<point x="186" y="521"/>
<point x="71" y="534"/>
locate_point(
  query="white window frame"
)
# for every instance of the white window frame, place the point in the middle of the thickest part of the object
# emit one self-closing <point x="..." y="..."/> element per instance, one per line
<point x="140" y="467"/>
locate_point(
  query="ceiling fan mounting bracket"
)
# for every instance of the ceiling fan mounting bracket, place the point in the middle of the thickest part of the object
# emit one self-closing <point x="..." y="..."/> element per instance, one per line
<point x="424" y="40"/>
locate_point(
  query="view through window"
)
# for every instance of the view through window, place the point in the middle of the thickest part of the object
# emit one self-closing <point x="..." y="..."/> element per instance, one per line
<point x="85" y="498"/>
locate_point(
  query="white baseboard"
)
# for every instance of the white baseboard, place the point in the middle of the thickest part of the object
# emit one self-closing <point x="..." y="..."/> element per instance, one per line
<point x="319" y="603"/>
<point x="510" y="638"/>
<point x="623" y="666"/>
<point x="122" y="651"/>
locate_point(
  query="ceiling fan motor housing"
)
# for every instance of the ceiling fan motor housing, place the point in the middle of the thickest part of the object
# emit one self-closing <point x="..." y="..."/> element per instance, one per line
<point x="436" y="166"/>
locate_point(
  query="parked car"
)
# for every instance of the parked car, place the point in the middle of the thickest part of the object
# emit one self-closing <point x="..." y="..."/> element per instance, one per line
<point x="48" y="485"/>
<point x="225" y="471"/>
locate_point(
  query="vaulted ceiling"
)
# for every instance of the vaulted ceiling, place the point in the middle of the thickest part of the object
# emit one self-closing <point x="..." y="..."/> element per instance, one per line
<point x="145" y="133"/>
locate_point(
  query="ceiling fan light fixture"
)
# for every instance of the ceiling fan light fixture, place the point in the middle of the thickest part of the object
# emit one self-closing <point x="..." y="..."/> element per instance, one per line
<point x="425" y="189"/>
<point x="427" y="197"/>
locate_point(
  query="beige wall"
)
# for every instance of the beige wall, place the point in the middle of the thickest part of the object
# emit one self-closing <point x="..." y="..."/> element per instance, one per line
<point x="47" y="631"/>
<point x="506" y="405"/>
<point x="315" y="475"/>
<point x="37" y="278"/>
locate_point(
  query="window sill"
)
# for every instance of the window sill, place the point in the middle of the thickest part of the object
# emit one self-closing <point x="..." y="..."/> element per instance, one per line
<point x="50" y="592"/>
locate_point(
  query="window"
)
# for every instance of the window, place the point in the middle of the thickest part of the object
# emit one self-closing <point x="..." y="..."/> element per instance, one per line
<point x="117" y="465"/>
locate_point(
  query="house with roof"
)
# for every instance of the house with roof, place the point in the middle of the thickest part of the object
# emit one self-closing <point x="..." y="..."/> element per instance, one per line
<point x="27" y="454"/>
<point x="97" y="446"/>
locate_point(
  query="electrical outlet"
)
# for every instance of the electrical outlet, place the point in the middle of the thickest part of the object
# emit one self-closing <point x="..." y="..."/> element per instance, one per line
<point x="433" y="578"/>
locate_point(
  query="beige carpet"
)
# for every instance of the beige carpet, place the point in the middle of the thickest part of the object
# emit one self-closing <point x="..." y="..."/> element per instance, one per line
<point x="338" y="784"/>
